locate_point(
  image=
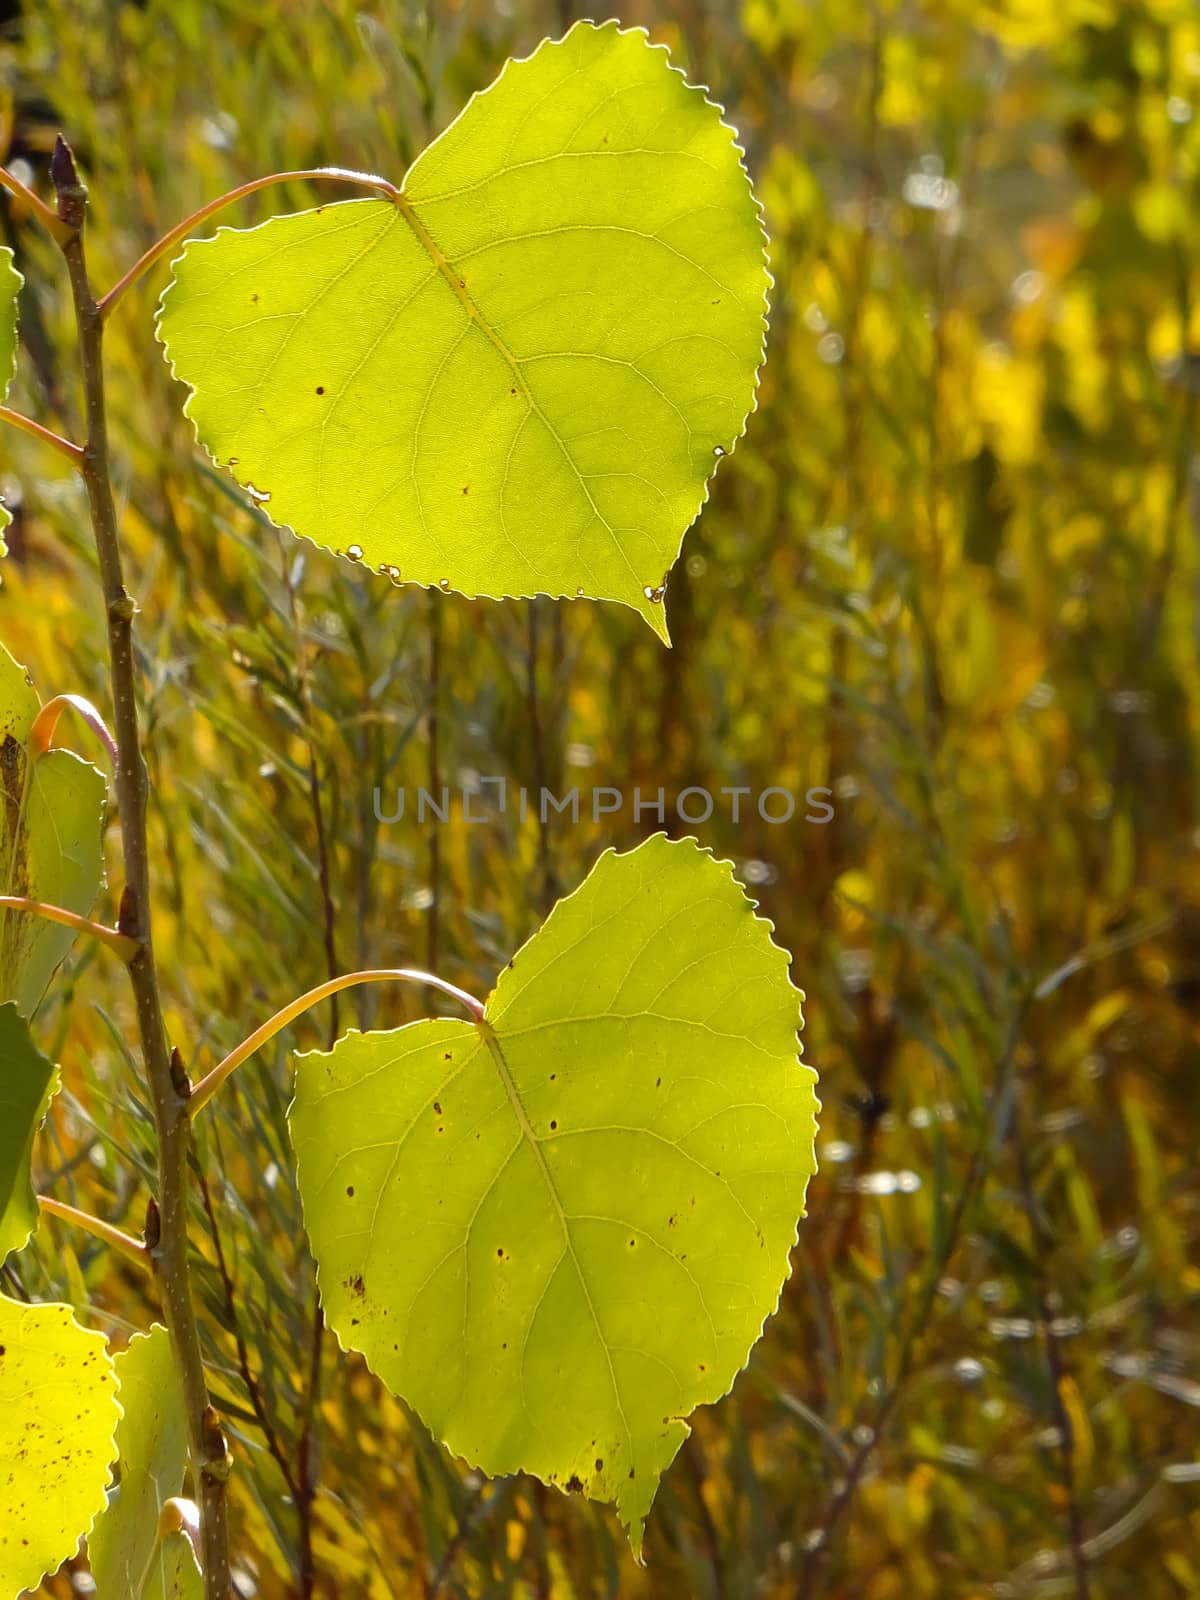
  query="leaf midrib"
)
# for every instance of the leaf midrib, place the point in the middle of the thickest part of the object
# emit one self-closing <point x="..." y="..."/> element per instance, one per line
<point x="458" y="287"/>
<point x="527" y="1133"/>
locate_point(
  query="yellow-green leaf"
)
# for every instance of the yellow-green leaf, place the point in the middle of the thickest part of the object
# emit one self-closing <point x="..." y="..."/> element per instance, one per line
<point x="174" y="1574"/>
<point x="126" y="1553"/>
<point x="557" y="1233"/>
<point x="28" y="1082"/>
<point x="51" y="811"/>
<point x="58" y="1418"/>
<point x="518" y="378"/>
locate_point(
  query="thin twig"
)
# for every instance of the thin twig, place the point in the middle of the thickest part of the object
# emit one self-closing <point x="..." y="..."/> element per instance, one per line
<point x="36" y="430"/>
<point x="212" y="1081"/>
<point x="44" y="726"/>
<point x="45" y="214"/>
<point x="119" y="943"/>
<point x="168" y="1242"/>
<point x="132" y="1248"/>
<point x="361" y="180"/>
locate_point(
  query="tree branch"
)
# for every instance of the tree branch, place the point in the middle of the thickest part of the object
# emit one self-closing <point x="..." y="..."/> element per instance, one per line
<point x="167" y="1242"/>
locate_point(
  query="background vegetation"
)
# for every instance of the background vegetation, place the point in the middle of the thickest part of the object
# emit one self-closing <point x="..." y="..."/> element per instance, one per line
<point x="950" y="573"/>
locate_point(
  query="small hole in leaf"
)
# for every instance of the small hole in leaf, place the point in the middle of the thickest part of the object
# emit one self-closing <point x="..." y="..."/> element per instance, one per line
<point x="553" y="1125"/>
<point x="320" y="388"/>
<point x="599" y="1463"/>
<point x="437" y="1106"/>
<point x="350" y="1191"/>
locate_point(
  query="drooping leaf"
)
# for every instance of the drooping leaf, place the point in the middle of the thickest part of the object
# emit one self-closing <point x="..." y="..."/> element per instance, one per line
<point x="518" y="379"/>
<point x="174" y="1573"/>
<point x="58" y="1418"/>
<point x="11" y="283"/>
<point x="51" y="810"/>
<point x="126" y="1554"/>
<point x="558" y="1233"/>
<point x="28" y="1082"/>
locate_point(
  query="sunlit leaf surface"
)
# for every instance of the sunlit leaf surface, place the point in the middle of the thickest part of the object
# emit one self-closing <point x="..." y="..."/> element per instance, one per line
<point x="174" y="1574"/>
<point x="27" y="1082"/>
<point x="559" y="1233"/>
<point x="127" y="1557"/>
<point x="519" y="379"/>
<point x="50" y="825"/>
<point x="58" y="1415"/>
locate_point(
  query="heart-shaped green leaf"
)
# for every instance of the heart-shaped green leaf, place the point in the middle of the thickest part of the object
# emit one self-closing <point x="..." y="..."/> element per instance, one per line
<point x="58" y="1417"/>
<point x="128" y="1558"/>
<point x="51" y="812"/>
<point x="11" y="282"/>
<point x="28" y="1082"/>
<point x="518" y="378"/>
<point x="558" y="1232"/>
